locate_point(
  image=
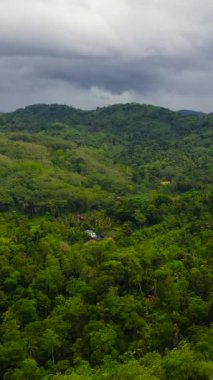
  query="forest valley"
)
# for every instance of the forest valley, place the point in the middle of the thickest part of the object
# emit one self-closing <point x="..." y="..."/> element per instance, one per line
<point x="105" y="244"/>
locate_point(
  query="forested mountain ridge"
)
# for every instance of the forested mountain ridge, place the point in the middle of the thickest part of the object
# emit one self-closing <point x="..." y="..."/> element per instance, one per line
<point x="191" y="112"/>
<point x="135" y="302"/>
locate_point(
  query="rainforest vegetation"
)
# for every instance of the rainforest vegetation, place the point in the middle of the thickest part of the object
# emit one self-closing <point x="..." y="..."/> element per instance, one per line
<point x="105" y="244"/>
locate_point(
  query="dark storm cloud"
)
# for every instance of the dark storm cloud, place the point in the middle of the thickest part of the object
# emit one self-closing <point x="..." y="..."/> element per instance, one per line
<point x="111" y="74"/>
<point x="92" y="52"/>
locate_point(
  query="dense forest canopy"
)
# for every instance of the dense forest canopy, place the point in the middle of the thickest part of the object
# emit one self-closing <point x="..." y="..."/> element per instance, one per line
<point x="106" y="250"/>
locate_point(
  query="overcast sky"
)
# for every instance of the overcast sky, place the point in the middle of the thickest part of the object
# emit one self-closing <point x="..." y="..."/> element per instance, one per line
<point x="90" y="53"/>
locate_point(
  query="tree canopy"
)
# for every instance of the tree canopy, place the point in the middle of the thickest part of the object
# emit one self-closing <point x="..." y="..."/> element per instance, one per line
<point x="105" y="244"/>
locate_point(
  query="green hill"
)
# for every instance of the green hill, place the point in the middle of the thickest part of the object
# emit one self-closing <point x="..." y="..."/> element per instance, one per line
<point x="106" y="254"/>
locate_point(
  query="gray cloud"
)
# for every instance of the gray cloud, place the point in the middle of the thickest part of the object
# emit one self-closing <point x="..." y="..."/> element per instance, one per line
<point x="90" y="53"/>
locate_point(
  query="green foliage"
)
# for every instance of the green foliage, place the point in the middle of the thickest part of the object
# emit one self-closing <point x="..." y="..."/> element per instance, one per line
<point x="134" y="302"/>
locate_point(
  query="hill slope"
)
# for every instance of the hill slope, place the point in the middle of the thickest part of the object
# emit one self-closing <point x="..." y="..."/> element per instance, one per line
<point x="105" y="243"/>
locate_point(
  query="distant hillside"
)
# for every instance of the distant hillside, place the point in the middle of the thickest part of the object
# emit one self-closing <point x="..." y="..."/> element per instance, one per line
<point x="190" y="112"/>
<point x="97" y="147"/>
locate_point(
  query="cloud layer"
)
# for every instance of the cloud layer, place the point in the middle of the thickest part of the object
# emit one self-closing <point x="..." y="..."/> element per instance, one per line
<point x="89" y="53"/>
